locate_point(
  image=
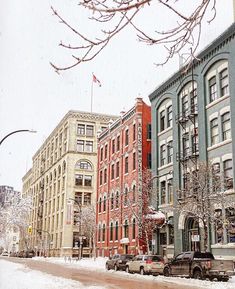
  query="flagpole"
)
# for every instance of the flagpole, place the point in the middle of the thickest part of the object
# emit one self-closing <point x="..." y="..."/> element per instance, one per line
<point x="92" y="91"/>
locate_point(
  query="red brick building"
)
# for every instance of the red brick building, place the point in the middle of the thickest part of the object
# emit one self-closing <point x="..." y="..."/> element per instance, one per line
<point x="124" y="151"/>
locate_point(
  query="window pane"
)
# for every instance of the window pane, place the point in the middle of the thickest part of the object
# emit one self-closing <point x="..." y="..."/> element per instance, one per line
<point x="212" y="89"/>
<point x="89" y="146"/>
<point x="81" y="129"/>
<point x="80" y="145"/>
<point x="87" y="181"/>
<point x="78" y="180"/>
<point x="89" y="130"/>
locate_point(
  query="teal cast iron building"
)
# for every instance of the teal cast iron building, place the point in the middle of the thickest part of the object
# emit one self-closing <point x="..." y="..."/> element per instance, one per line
<point x="193" y="120"/>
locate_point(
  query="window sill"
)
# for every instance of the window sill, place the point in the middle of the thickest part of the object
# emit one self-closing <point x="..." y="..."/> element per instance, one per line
<point x="219" y="145"/>
<point x="165" y="166"/>
<point x="164" y="131"/>
<point x="217" y="101"/>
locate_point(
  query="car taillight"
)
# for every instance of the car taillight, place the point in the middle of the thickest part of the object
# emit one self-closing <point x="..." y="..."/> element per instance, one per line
<point x="149" y="261"/>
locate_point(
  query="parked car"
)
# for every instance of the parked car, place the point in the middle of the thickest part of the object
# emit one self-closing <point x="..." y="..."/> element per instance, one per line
<point x="146" y="264"/>
<point x="199" y="265"/>
<point x="20" y="254"/>
<point x="118" y="261"/>
<point x="5" y="254"/>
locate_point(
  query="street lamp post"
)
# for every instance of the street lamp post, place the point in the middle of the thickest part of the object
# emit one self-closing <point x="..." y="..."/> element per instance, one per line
<point x="16" y="131"/>
<point x="80" y="227"/>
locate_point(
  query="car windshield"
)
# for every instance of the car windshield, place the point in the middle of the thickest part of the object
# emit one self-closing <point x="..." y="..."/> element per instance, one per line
<point x="127" y="257"/>
<point x="154" y="258"/>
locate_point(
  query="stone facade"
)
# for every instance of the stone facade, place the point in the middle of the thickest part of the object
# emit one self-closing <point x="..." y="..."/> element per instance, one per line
<point x="62" y="177"/>
<point x="192" y="113"/>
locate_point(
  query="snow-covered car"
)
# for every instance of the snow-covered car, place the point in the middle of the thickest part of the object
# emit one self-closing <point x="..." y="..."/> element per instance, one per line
<point x="146" y="264"/>
<point x="118" y="261"/>
<point x="5" y="254"/>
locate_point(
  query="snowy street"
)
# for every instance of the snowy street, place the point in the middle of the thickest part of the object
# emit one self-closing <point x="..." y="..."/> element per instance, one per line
<point x="50" y="273"/>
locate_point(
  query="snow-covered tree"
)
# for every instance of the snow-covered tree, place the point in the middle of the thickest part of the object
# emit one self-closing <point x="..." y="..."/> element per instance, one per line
<point x="206" y="191"/>
<point x="112" y="17"/>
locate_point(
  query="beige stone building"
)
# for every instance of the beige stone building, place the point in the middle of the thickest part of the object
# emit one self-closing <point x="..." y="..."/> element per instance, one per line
<point x="62" y="181"/>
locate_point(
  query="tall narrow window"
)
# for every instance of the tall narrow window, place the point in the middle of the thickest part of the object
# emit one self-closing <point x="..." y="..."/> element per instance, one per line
<point x="118" y="143"/>
<point x="224" y="82"/>
<point x="101" y="177"/>
<point x="105" y="176"/>
<point x="112" y="171"/>
<point x="111" y="231"/>
<point x="126" y="165"/>
<point x="193" y="100"/>
<point x="100" y="204"/>
<point x="134" y="161"/>
<point x="149" y="131"/>
<point x="101" y="154"/>
<point x="133" y="229"/>
<point x="134" y="193"/>
<point x="163" y="192"/>
<point x="78" y="180"/>
<point x="163" y="155"/>
<point x="81" y="129"/>
<point x="106" y="151"/>
<point x="149" y="160"/>
<point x="80" y="145"/>
<point x="185" y="141"/>
<point x="126" y="197"/>
<point x="113" y="146"/>
<point x="104" y="204"/>
<point x="214" y="131"/>
<point x="170" y="191"/>
<point x="117" y="200"/>
<point x="228" y="174"/>
<point x="99" y="233"/>
<point x="226" y="126"/>
<point x="184" y="104"/>
<point x="126" y="229"/>
<point x="169" y="116"/>
<point x="162" y="120"/>
<point x="103" y="233"/>
<point x="126" y="137"/>
<point x="87" y="181"/>
<point x="212" y="89"/>
<point x="89" y="130"/>
<point x="134" y="132"/>
<point x="89" y="146"/>
<point x="170" y="152"/>
<point x="112" y="201"/>
<point x="116" y="230"/>
<point x="117" y="170"/>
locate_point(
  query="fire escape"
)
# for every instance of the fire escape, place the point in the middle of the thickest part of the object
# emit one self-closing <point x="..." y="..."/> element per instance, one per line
<point x="188" y="131"/>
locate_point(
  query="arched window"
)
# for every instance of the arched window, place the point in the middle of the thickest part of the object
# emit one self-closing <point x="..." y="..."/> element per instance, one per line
<point x="83" y="165"/>
<point x="64" y="167"/>
<point x="59" y="170"/>
<point x="133" y="229"/>
<point x="103" y="233"/>
<point x="117" y="199"/>
<point x="104" y="205"/>
<point x="116" y="230"/>
<point x="111" y="231"/>
<point x="99" y="205"/>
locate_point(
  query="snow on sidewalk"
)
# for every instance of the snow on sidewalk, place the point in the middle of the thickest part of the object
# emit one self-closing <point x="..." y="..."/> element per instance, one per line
<point x="18" y="276"/>
<point x="99" y="265"/>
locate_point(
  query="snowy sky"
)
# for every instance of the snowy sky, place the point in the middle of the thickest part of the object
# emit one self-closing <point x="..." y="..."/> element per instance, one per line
<point x="33" y="96"/>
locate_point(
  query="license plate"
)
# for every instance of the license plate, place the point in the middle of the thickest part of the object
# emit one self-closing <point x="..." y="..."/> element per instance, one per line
<point x="221" y="273"/>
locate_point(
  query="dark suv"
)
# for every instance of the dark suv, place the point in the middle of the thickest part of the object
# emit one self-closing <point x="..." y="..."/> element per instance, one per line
<point x="118" y="261"/>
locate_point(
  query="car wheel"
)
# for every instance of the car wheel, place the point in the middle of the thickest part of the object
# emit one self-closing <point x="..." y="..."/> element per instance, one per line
<point x="222" y="279"/>
<point x="166" y="272"/>
<point x="197" y="274"/>
<point x="115" y="267"/>
<point x="107" y="267"/>
<point x="142" y="271"/>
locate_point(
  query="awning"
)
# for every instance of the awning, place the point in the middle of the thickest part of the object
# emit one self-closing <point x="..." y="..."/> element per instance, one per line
<point x="124" y="241"/>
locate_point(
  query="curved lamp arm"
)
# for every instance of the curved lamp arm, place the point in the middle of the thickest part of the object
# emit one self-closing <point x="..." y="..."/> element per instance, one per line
<point x="16" y="131"/>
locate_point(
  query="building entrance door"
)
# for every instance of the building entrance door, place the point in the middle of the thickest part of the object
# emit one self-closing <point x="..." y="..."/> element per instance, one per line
<point x="193" y="235"/>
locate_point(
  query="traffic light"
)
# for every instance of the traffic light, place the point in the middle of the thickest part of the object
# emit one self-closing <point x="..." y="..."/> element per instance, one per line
<point x="30" y="229"/>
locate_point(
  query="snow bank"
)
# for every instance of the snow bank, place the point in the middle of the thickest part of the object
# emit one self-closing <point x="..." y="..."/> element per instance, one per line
<point x="18" y="276"/>
<point x="99" y="265"/>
